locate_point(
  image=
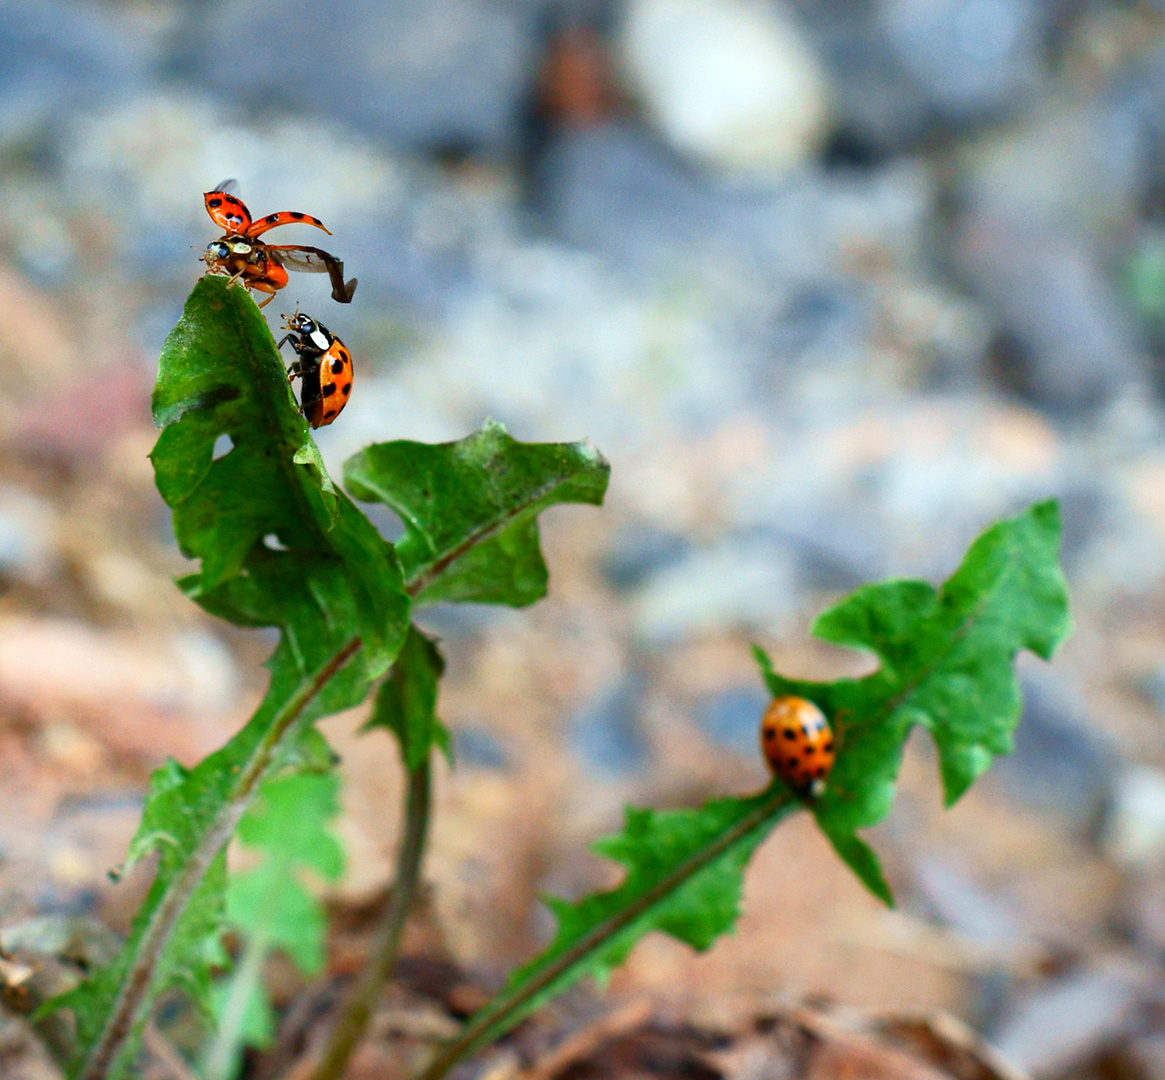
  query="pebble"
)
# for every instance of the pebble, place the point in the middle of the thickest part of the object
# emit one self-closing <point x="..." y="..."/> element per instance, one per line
<point x="1133" y="835"/>
<point x="29" y="548"/>
<point x="732" y="84"/>
<point x="1060" y="1023"/>
<point x="607" y="733"/>
<point x="973" y="59"/>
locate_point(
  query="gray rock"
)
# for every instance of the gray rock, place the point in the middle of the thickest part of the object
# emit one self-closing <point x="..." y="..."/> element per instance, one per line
<point x="476" y="748"/>
<point x="1039" y="205"/>
<point x="418" y="73"/>
<point x="972" y="59"/>
<point x="616" y="190"/>
<point x="28" y="536"/>
<point x="878" y="108"/>
<point x="741" y="581"/>
<point x="59" y="58"/>
<point x="607" y="734"/>
<point x="732" y="717"/>
<point x="639" y="551"/>
<point x="1065" y="1020"/>
<point x="960" y="902"/>
<point x="1062" y="765"/>
<point x="1134" y="828"/>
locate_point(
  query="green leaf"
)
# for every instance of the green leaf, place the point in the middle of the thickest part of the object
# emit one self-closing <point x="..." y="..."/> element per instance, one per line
<point x="470" y="508"/>
<point x="684" y="877"/>
<point x="278" y="546"/>
<point x="947" y="665"/>
<point x="407" y="701"/>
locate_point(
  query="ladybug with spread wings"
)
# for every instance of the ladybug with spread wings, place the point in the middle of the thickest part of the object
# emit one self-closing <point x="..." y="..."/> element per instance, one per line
<point x="261" y="266"/>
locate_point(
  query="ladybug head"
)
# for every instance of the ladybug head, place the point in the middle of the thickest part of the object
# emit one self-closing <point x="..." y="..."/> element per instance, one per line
<point x="219" y="251"/>
<point x="302" y="324"/>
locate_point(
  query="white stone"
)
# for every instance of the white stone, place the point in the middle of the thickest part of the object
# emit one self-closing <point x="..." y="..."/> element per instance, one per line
<point x="1134" y="834"/>
<point x="731" y="83"/>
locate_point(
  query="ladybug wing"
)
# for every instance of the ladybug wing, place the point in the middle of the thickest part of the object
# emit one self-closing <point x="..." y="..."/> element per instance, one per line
<point x="312" y="260"/>
<point x="304" y="259"/>
<point x="284" y="217"/>
<point x="335" y="378"/>
<point x="227" y="211"/>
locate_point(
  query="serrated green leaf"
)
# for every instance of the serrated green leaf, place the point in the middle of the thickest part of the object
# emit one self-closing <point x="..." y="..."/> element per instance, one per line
<point x="470" y="509"/>
<point x="278" y="546"/>
<point x="947" y="665"/>
<point x="406" y="703"/>
<point x="290" y="821"/>
<point x="684" y="877"/>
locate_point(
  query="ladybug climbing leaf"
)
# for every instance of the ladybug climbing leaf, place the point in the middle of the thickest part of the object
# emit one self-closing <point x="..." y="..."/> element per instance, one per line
<point x="470" y="509"/>
<point x="946" y="665"/>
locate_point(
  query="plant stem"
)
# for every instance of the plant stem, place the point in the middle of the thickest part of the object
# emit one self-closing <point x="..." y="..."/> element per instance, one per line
<point x="493" y="1019"/>
<point x="222" y="1058"/>
<point x="135" y="995"/>
<point x="358" y="1008"/>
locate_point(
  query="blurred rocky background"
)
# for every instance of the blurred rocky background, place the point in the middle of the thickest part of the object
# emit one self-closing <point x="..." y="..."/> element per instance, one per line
<point x="832" y="283"/>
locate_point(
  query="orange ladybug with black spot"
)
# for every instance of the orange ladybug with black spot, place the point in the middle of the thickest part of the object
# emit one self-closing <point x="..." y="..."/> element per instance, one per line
<point x="325" y="366"/>
<point x="798" y="744"/>
<point x="261" y="266"/>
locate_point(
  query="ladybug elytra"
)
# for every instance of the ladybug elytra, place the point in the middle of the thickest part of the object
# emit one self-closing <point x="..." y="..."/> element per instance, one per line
<point x="798" y="744"/>
<point x="325" y="366"/>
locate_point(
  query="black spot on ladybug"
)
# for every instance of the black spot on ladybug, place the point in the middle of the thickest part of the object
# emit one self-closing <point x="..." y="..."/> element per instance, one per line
<point x="295" y="214"/>
<point x="828" y="746"/>
<point x="328" y="390"/>
<point x="271" y="217"/>
<point x="232" y="200"/>
<point x="337" y="366"/>
<point x="792" y="762"/>
<point x="769" y="733"/>
<point x="789" y="734"/>
<point x="216" y="203"/>
<point x="809" y="750"/>
<point x="346" y="389"/>
<point x="820" y="772"/>
<point x="330" y="413"/>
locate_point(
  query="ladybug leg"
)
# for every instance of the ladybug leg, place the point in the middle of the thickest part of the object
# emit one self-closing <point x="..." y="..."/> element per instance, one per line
<point x="262" y="286"/>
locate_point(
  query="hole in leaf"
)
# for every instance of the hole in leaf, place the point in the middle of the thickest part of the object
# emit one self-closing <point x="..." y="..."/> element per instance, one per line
<point x="223" y="445"/>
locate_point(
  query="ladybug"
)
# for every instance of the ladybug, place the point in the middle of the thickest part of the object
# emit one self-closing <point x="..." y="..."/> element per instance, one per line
<point x="797" y="741"/>
<point x="259" y="265"/>
<point x="324" y="364"/>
